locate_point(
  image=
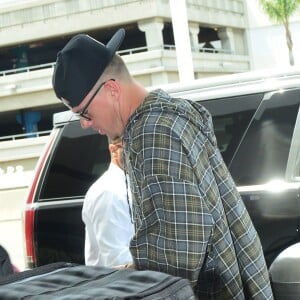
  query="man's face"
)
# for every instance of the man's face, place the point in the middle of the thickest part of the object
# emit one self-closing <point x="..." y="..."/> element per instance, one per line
<point x="100" y="110"/>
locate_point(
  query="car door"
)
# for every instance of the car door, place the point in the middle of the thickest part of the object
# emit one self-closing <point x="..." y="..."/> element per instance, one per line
<point x="77" y="159"/>
<point x="265" y="167"/>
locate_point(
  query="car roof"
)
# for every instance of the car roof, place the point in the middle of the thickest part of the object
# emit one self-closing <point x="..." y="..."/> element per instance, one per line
<point x="219" y="87"/>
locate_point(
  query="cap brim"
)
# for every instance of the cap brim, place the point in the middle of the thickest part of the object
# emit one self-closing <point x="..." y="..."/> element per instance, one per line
<point x="116" y="41"/>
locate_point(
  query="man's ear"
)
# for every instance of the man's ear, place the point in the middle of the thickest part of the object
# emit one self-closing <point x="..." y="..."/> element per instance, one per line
<point x="114" y="87"/>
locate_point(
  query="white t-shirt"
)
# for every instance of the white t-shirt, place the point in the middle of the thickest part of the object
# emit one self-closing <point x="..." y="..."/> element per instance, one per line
<point x="108" y="226"/>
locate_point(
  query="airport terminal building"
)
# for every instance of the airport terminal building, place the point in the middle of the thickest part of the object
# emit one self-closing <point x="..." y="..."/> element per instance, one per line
<point x="32" y="32"/>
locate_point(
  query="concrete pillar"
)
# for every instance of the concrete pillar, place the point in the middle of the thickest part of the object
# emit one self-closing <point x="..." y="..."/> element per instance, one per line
<point x="226" y="36"/>
<point x="182" y="40"/>
<point x="153" y="31"/>
<point x="194" y="29"/>
<point x="159" y="78"/>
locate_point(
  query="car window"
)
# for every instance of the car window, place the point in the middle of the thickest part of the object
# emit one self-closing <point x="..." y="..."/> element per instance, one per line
<point x="231" y="117"/>
<point x="80" y="157"/>
<point x="263" y="153"/>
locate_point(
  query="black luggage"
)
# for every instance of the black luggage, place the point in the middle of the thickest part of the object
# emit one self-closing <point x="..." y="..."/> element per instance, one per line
<point x="72" y="281"/>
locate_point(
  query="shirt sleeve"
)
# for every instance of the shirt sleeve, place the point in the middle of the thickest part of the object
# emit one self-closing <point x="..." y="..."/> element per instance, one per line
<point x="108" y="230"/>
<point x="90" y="246"/>
<point x="175" y="224"/>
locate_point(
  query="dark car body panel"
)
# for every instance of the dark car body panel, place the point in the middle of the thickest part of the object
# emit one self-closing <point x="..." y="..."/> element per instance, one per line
<point x="59" y="233"/>
<point x="276" y="218"/>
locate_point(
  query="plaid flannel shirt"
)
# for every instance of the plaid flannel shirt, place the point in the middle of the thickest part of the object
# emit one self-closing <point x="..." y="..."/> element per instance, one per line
<point x="189" y="218"/>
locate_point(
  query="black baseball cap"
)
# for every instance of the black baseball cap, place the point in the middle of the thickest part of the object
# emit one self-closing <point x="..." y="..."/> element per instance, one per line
<point x="80" y="64"/>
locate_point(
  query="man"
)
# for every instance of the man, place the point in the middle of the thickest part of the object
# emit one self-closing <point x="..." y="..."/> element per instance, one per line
<point x="106" y="213"/>
<point x="189" y="219"/>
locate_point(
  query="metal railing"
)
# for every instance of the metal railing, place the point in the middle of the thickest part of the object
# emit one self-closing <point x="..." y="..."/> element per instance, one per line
<point x="121" y="52"/>
<point x="27" y="69"/>
<point x="24" y="135"/>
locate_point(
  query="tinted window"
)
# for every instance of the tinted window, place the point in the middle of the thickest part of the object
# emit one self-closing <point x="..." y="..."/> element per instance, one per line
<point x="263" y="153"/>
<point x="231" y="116"/>
<point x="79" y="159"/>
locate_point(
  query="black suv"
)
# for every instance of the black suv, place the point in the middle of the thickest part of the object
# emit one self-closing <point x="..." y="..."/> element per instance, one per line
<point x="257" y="124"/>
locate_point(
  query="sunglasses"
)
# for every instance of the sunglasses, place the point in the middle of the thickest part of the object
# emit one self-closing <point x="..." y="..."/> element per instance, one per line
<point x="83" y="112"/>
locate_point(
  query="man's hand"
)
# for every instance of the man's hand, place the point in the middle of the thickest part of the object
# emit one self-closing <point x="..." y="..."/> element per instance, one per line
<point x="126" y="266"/>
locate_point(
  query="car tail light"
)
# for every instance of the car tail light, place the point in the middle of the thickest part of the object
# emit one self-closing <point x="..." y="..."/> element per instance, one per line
<point x="29" y="221"/>
<point x="29" y="214"/>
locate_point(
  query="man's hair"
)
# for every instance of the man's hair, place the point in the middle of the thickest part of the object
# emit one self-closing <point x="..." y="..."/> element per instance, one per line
<point x="116" y="69"/>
